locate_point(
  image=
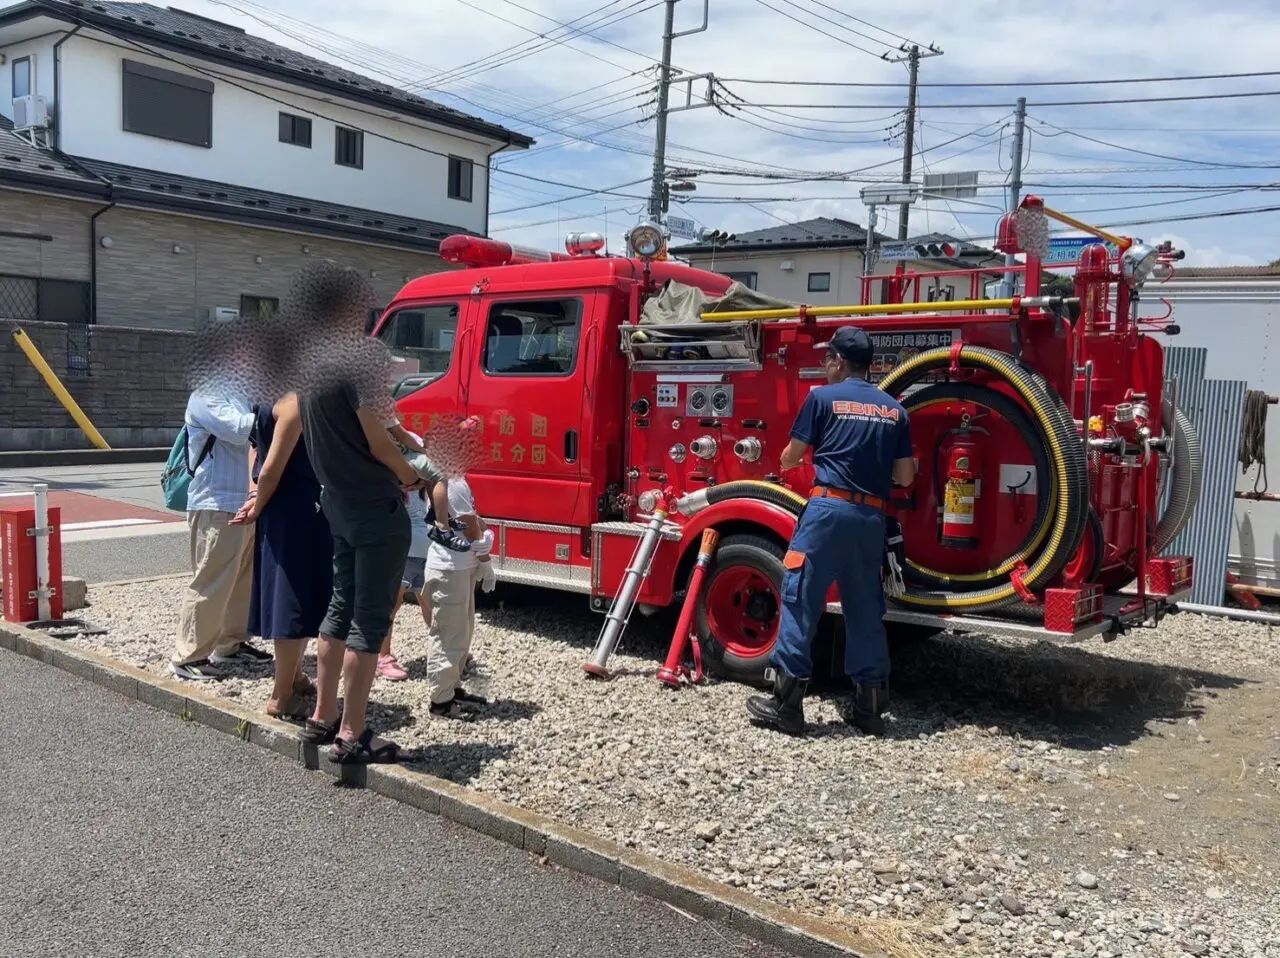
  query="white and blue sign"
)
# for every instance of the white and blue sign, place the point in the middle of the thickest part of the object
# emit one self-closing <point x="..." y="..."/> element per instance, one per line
<point x="681" y="228"/>
<point x="1066" y="250"/>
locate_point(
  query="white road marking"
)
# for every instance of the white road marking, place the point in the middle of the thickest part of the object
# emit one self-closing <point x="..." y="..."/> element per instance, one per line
<point x="107" y="524"/>
<point x="124" y="532"/>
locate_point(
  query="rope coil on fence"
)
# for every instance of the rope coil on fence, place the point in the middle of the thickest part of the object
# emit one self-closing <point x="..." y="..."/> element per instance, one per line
<point x="1253" y="437"/>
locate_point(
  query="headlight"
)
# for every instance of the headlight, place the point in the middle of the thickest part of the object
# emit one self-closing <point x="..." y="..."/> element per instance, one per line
<point x="1138" y="263"/>
<point x="647" y="241"/>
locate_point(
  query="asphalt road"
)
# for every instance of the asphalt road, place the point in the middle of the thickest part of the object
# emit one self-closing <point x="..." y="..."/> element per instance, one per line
<point x="127" y="554"/>
<point x="128" y="832"/>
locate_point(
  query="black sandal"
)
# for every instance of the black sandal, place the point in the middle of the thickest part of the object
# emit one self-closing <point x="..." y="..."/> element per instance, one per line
<point x="359" y="752"/>
<point x="320" y="733"/>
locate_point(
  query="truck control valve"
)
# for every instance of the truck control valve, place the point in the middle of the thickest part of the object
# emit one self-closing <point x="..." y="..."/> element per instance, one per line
<point x="704" y="447"/>
<point x="748" y="450"/>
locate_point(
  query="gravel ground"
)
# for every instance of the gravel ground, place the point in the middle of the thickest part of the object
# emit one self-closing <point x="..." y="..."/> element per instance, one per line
<point x="1031" y="799"/>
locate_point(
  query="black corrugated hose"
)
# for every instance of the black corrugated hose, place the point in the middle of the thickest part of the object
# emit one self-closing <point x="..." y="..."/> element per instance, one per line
<point x="1253" y="437"/>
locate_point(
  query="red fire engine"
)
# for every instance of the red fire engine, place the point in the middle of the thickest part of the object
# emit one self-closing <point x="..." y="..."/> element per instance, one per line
<point x="1055" y="466"/>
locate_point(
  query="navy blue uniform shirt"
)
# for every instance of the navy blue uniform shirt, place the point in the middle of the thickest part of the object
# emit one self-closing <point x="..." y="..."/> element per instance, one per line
<point x="857" y="433"/>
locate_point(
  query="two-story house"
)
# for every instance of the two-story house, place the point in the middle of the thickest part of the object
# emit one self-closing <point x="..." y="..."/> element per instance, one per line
<point x="820" y="261"/>
<point x="159" y="169"/>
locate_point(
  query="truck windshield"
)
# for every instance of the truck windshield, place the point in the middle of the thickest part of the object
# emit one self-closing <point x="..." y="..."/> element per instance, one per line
<point x="422" y="337"/>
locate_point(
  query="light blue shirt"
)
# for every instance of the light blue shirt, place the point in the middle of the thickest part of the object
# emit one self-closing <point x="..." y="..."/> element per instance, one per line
<point x="221" y="482"/>
<point x="417" y="507"/>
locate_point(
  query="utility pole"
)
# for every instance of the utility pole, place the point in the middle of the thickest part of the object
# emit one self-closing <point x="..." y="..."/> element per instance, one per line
<point x="909" y="137"/>
<point x="660" y="128"/>
<point x="1019" y="128"/>
<point x="657" y="188"/>
<point x="914" y="54"/>
<point x="1015" y="182"/>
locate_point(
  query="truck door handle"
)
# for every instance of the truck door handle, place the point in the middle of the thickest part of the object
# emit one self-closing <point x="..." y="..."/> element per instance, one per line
<point x="571" y="445"/>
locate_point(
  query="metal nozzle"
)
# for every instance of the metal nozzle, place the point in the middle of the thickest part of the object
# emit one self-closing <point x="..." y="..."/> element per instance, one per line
<point x="748" y="450"/>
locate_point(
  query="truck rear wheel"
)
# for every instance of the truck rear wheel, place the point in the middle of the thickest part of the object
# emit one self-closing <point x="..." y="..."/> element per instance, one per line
<point x="740" y="607"/>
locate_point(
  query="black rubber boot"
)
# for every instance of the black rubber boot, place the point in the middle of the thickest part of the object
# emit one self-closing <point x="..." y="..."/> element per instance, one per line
<point x="865" y="711"/>
<point x="784" y="710"/>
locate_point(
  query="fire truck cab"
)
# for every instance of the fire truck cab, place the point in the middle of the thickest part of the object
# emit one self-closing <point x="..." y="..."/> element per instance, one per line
<point x="589" y="420"/>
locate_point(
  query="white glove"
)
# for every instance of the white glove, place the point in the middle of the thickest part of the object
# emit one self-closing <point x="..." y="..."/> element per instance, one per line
<point x="490" y="580"/>
<point x="484" y="546"/>
<point x="894" y="585"/>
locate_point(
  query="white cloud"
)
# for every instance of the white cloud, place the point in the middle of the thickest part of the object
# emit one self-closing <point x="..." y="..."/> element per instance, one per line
<point x="586" y="103"/>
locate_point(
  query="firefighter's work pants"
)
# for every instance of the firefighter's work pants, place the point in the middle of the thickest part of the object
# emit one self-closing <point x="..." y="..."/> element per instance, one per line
<point x="453" y="622"/>
<point x="835" y="541"/>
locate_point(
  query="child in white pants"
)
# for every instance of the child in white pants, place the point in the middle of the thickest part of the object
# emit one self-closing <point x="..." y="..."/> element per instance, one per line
<point x="450" y="581"/>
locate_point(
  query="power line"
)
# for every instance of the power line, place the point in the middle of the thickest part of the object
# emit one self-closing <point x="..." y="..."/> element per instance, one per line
<point x="547" y="39"/>
<point x="865" y="23"/>
<point x="611" y="190"/>
<point x="1158" y="156"/>
<point x="998" y="106"/>
<point x="817" y="29"/>
<point x="841" y="26"/>
<point x="1005" y="83"/>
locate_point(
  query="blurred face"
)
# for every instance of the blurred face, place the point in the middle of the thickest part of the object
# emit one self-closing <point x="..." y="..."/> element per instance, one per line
<point x="835" y="366"/>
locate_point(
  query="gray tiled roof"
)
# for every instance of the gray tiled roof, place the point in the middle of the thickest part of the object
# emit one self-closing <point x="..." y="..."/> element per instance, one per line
<point x="23" y="164"/>
<point x="20" y="162"/>
<point x="179" y="30"/>
<point x="820" y="231"/>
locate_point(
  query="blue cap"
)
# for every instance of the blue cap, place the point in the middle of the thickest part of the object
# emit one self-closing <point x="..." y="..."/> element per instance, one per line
<point x="852" y="344"/>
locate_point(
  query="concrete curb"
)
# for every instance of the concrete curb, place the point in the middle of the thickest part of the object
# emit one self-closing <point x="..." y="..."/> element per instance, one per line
<point x="564" y="845"/>
<point x="40" y="458"/>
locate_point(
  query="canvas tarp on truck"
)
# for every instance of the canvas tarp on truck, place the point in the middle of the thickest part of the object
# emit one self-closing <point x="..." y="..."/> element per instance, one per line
<point x="678" y="304"/>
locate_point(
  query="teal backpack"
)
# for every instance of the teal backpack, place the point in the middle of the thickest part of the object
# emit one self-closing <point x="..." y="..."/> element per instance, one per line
<point x="178" y="471"/>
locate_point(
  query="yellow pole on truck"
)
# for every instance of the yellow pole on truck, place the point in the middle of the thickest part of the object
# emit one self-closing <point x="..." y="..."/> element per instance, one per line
<point x="885" y="309"/>
<point x="60" y="391"/>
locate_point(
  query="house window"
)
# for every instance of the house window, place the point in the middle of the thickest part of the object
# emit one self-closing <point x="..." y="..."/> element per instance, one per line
<point x="746" y="279"/>
<point x="295" y="130"/>
<point x="461" y="178"/>
<point x="167" y="105"/>
<point x="348" y="147"/>
<point x="27" y="298"/>
<point x="22" y="77"/>
<point x="819" y="282"/>
<point x="538" y="338"/>
<point x="258" y="307"/>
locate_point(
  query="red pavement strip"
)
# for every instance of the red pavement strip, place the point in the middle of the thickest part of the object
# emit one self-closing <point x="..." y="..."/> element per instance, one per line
<point x="82" y="511"/>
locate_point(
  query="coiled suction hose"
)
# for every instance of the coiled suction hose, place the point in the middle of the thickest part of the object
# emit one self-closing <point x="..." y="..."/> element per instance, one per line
<point x="1187" y="473"/>
<point x="1065" y="514"/>
<point x="1068" y="512"/>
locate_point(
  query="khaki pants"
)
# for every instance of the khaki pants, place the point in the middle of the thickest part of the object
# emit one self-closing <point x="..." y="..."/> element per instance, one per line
<point x="215" y="609"/>
<point x="453" y="622"/>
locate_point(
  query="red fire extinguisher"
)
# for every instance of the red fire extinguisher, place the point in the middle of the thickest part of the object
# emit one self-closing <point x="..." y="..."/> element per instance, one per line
<point x="960" y="495"/>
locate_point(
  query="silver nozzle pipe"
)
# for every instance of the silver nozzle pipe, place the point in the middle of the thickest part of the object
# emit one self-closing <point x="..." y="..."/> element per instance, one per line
<point x="690" y="505"/>
<point x="748" y="450"/>
<point x="704" y="447"/>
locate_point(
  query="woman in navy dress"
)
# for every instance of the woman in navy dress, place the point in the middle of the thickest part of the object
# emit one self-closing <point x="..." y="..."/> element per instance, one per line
<point x="293" y="551"/>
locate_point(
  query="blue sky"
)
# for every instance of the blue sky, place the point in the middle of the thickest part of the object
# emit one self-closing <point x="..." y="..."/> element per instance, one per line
<point x="586" y="94"/>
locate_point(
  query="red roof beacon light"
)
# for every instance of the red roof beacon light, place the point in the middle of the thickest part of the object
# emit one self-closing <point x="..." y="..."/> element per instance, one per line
<point x="476" y="252"/>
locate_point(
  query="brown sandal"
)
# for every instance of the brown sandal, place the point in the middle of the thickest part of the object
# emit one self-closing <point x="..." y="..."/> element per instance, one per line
<point x="295" y="709"/>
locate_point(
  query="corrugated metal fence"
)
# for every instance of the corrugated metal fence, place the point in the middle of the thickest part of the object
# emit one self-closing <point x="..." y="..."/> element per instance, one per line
<point x="1216" y="409"/>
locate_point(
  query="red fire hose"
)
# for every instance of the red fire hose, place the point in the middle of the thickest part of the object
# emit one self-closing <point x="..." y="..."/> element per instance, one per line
<point x="672" y="669"/>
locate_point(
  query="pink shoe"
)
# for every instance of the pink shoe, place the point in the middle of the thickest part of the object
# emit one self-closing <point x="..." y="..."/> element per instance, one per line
<point x="390" y="669"/>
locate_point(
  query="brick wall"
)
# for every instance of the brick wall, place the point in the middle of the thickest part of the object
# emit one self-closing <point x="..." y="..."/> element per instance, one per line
<point x="134" y="393"/>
